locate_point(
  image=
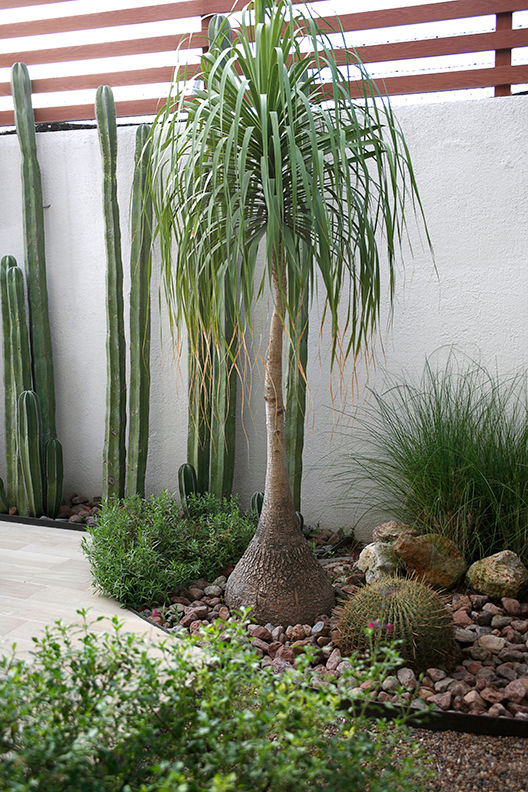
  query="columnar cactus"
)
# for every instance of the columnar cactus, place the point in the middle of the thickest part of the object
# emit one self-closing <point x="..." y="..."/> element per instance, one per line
<point x="10" y="402"/>
<point x="139" y="318"/>
<point x="188" y="484"/>
<point x="212" y="378"/>
<point x="115" y="425"/>
<point x="35" y="261"/>
<point x="29" y="450"/>
<point x="53" y="475"/>
<point x="296" y="394"/>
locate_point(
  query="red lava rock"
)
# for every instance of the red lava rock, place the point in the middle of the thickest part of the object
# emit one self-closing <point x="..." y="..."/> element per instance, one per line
<point x="436" y="674"/>
<point x="511" y="606"/>
<point x="258" y="631"/>
<point x="261" y="645"/>
<point x="461" y="618"/>
<point x="273" y="648"/>
<point x="323" y="640"/>
<point x="492" y="695"/>
<point x="459" y="688"/>
<point x="334" y="660"/>
<point x="195" y="592"/>
<point x="498" y="711"/>
<point x="516" y="709"/>
<point x="521" y="626"/>
<point x="493" y="609"/>
<point x="181" y="600"/>
<point x="286" y="654"/>
<point x="296" y="633"/>
<point x="478" y="600"/>
<point x="506" y="671"/>
<point x="280" y="664"/>
<point x="223" y="613"/>
<point x="195" y="626"/>
<point x="442" y="700"/>
<point x="474" y="699"/>
<point x="474" y="667"/>
<point x="516" y="690"/>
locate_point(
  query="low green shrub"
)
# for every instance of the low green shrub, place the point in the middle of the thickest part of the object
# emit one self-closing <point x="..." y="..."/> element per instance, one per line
<point x="142" y="549"/>
<point x="115" y="713"/>
<point x="448" y="455"/>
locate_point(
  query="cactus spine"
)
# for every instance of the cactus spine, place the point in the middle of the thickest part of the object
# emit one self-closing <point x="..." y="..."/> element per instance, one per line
<point x="139" y="318"/>
<point x="29" y="450"/>
<point x="10" y="401"/>
<point x="35" y="261"/>
<point x="413" y="613"/>
<point x="296" y="392"/>
<point x="115" y="424"/>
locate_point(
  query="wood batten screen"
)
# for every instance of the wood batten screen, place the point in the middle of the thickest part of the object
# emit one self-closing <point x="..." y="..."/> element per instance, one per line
<point x="82" y="67"/>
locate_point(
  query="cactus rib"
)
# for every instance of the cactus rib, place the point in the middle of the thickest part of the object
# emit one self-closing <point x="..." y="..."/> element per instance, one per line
<point x="115" y="423"/>
<point x="139" y="318"/>
<point x="35" y="261"/>
<point x="10" y="401"/>
<point x="29" y="450"/>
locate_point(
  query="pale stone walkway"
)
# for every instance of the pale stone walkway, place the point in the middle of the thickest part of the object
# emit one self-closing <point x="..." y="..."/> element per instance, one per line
<point x="44" y="576"/>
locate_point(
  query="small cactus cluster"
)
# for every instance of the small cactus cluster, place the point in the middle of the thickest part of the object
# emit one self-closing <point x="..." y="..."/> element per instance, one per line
<point x="34" y="455"/>
<point x="415" y="614"/>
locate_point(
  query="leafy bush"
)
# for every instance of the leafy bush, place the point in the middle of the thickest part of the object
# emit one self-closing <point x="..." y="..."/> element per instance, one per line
<point x="450" y="455"/>
<point x="111" y="712"/>
<point x="142" y="549"/>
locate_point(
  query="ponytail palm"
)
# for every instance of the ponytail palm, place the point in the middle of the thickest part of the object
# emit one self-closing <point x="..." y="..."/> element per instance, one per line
<point x="267" y="157"/>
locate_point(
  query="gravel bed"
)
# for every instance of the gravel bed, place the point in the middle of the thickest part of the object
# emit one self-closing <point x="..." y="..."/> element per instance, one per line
<point x="471" y="763"/>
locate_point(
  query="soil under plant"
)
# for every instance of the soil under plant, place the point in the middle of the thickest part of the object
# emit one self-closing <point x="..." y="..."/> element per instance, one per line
<point x="488" y="677"/>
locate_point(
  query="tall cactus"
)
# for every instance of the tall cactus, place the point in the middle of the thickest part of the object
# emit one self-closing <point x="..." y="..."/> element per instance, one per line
<point x="29" y="450"/>
<point x="10" y="401"/>
<point x="212" y="390"/>
<point x="35" y="261"/>
<point x="53" y="474"/>
<point x="296" y="393"/>
<point x="138" y="431"/>
<point x="115" y="424"/>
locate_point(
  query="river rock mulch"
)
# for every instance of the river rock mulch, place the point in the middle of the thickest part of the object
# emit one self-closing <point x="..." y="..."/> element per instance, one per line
<point x="80" y="510"/>
<point x="490" y="676"/>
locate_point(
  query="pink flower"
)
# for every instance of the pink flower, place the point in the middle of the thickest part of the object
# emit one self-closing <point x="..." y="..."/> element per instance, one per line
<point x="388" y="627"/>
<point x="371" y="625"/>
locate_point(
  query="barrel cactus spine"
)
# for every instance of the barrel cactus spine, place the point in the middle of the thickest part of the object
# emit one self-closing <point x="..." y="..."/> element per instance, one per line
<point x="10" y="402"/>
<point x="29" y="451"/>
<point x="114" y="454"/>
<point x="402" y="609"/>
<point x="141" y="216"/>
<point x="35" y="260"/>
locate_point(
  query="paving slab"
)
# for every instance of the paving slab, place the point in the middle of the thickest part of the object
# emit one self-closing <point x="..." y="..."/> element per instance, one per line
<point x="44" y="576"/>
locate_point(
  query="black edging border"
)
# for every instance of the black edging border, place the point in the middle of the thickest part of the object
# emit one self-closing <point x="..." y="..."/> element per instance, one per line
<point x="435" y="720"/>
<point x="41" y="522"/>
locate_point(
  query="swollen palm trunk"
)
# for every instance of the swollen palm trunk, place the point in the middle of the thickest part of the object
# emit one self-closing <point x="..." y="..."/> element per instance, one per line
<point x="278" y="576"/>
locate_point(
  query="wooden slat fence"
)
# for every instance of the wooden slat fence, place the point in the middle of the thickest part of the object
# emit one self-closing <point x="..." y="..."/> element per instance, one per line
<point x="193" y="15"/>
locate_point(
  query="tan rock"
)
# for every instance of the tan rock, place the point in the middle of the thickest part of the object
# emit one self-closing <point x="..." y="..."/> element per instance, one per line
<point x="390" y="531"/>
<point x="431" y="557"/>
<point x="500" y="575"/>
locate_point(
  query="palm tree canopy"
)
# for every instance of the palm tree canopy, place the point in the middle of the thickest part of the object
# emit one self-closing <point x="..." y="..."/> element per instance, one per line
<point x="271" y="148"/>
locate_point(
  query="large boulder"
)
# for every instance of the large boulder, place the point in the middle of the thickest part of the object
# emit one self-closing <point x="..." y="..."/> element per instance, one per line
<point x="390" y="531"/>
<point x="431" y="557"/>
<point x="378" y="560"/>
<point x="499" y="575"/>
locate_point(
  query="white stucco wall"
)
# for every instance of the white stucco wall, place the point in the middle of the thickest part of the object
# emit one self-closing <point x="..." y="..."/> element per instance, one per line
<point x="471" y="163"/>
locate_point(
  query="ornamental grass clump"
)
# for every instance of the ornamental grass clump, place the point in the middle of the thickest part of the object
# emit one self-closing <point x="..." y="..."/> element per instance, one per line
<point x="403" y="610"/>
<point x="142" y="549"/>
<point x="448" y="455"/>
<point x="113" y="712"/>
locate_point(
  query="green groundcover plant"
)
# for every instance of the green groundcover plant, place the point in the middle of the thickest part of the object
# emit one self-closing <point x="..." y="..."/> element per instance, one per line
<point x="449" y="454"/>
<point x="142" y="549"/>
<point x="114" y="712"/>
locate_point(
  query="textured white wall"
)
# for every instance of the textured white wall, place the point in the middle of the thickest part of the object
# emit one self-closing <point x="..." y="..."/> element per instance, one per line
<point x="471" y="163"/>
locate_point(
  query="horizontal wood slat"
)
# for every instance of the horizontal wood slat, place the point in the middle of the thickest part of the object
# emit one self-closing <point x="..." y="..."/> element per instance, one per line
<point x="107" y="50"/>
<point x="412" y="84"/>
<point x="501" y="41"/>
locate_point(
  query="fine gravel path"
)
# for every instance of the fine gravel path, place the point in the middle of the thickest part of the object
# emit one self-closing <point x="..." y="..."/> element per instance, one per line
<point x="473" y="763"/>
